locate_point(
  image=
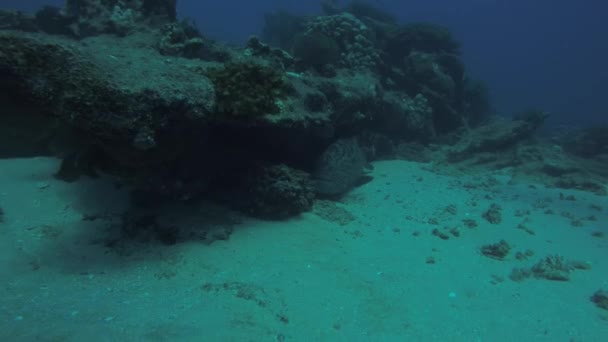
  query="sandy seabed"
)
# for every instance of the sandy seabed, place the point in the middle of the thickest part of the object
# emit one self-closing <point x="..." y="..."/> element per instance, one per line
<point x="378" y="275"/>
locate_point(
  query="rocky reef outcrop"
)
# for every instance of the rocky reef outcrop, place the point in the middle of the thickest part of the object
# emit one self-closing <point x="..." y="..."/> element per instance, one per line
<point x="128" y="89"/>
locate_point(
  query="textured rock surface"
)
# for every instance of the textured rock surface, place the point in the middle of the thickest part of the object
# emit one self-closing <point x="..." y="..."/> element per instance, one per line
<point x="499" y="135"/>
<point x="339" y="168"/>
<point x="271" y="191"/>
<point x="126" y="115"/>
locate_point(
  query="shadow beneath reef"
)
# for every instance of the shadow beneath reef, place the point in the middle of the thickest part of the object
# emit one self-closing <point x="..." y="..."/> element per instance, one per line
<point x="107" y="231"/>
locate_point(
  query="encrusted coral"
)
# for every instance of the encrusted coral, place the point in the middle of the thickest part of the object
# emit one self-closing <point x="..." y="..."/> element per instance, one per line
<point x="180" y="39"/>
<point x="279" y="191"/>
<point x="96" y="17"/>
<point x="555" y="267"/>
<point x="269" y="191"/>
<point x="419" y="113"/>
<point x="497" y="250"/>
<point x="274" y="55"/>
<point x="352" y="36"/>
<point x="552" y="267"/>
<point x="122" y="20"/>
<point x="248" y="89"/>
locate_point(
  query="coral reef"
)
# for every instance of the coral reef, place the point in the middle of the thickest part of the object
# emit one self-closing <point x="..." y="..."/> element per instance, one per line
<point x="123" y="114"/>
<point x="275" y="56"/>
<point x="552" y="267"/>
<point x="418" y="58"/>
<point x="419" y="115"/>
<point x="497" y="250"/>
<point x="269" y="191"/>
<point x="346" y="38"/>
<point x="493" y="214"/>
<point x="248" y="89"/>
<point x="180" y="39"/>
<point x="179" y="116"/>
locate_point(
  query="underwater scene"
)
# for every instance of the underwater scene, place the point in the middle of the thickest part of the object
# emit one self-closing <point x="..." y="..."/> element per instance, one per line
<point x="303" y="170"/>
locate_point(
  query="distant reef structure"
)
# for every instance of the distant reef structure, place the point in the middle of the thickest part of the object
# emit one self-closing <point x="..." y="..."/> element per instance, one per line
<point x="125" y="88"/>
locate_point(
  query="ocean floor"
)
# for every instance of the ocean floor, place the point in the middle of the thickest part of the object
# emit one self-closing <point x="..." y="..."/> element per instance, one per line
<point x="398" y="259"/>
